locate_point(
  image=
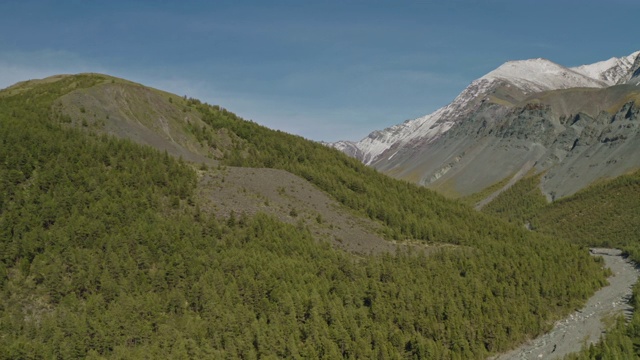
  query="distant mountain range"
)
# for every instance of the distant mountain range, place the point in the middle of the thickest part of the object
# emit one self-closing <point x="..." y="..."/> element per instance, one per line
<point x="579" y="124"/>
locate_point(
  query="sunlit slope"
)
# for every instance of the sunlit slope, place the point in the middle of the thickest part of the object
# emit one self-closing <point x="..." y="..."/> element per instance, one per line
<point x="107" y="250"/>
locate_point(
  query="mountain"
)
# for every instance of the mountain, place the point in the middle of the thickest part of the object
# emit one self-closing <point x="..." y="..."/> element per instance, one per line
<point x="614" y="71"/>
<point x="136" y="223"/>
<point x="575" y="122"/>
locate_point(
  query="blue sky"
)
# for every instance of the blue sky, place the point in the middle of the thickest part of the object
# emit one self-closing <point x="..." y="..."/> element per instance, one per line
<point x="326" y="70"/>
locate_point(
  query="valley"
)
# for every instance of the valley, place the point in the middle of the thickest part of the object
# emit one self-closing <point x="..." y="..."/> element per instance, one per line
<point x="586" y="325"/>
<point x="251" y="180"/>
<point x="543" y="146"/>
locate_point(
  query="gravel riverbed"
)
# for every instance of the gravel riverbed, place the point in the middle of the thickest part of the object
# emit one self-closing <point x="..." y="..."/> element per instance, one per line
<point x="584" y="326"/>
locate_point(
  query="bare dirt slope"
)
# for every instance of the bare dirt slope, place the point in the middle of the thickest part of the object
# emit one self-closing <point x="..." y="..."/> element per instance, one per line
<point x="585" y="326"/>
<point x="138" y="113"/>
<point x="291" y="199"/>
<point x="169" y="123"/>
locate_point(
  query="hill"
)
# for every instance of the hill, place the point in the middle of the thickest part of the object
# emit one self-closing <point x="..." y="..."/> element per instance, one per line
<point x="115" y="249"/>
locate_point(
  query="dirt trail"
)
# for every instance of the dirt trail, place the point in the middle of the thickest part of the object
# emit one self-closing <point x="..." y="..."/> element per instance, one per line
<point x="585" y="326"/>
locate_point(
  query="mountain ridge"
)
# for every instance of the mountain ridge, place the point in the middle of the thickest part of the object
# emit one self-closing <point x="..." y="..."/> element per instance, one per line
<point x="614" y="70"/>
<point x="479" y="87"/>
<point x="400" y="149"/>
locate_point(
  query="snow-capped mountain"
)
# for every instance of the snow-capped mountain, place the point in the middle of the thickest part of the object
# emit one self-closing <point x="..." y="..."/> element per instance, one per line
<point x="528" y="76"/>
<point x="538" y="75"/>
<point x="613" y="71"/>
<point x="426" y="128"/>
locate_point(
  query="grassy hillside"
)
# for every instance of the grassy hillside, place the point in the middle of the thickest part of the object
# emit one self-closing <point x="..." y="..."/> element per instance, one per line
<point x="105" y="252"/>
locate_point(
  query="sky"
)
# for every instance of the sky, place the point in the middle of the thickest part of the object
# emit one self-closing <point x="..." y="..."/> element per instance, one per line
<point x="326" y="70"/>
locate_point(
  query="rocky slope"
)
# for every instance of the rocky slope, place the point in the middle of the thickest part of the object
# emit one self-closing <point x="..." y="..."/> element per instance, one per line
<point x="581" y="123"/>
<point x="169" y="123"/>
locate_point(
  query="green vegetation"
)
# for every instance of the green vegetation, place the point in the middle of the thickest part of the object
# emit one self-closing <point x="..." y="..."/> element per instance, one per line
<point x="606" y="214"/>
<point x="519" y="203"/>
<point x="104" y="253"/>
<point x="409" y="211"/>
<point x="475" y="198"/>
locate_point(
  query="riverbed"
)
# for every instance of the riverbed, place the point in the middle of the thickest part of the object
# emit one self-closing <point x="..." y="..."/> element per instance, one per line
<point x="585" y="326"/>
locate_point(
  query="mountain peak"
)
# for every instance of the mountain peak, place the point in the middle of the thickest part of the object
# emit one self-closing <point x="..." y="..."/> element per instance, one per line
<point x="535" y="75"/>
<point x="510" y="82"/>
<point x="612" y="71"/>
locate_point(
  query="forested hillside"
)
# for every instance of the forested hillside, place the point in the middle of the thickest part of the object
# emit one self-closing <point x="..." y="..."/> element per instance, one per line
<point x="106" y="253"/>
<point x="606" y="214"/>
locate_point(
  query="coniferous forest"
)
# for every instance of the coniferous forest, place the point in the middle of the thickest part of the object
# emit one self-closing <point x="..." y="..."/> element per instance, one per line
<point x="606" y="214"/>
<point x="106" y="253"/>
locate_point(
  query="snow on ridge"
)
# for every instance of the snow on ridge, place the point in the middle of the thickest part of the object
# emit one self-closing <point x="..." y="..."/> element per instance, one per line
<point x="348" y="147"/>
<point x="612" y="71"/>
<point x="428" y="127"/>
<point x="342" y="145"/>
<point x="537" y="75"/>
<point x="379" y="141"/>
<point x="533" y="75"/>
